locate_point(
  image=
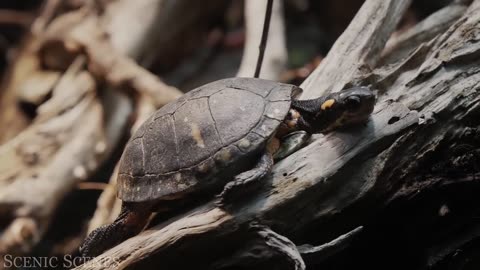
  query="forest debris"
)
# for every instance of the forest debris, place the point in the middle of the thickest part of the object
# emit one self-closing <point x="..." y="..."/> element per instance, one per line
<point x="46" y="160"/>
<point x="36" y="88"/>
<point x="48" y="11"/>
<point x="11" y="115"/>
<point x="339" y="172"/>
<point x="316" y="254"/>
<point x="77" y="34"/>
<point x="424" y="31"/>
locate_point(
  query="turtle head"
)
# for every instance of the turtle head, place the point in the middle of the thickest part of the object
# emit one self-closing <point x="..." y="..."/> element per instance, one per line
<point x="344" y="108"/>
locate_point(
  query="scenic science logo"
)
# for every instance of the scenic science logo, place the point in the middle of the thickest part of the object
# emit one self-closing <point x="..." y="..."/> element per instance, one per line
<point x="67" y="261"/>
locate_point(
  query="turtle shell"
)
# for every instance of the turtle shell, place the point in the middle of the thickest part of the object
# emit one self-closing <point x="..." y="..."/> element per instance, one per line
<point x="187" y="144"/>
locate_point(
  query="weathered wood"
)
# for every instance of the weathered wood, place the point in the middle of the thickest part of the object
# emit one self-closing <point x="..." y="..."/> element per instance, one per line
<point x="428" y="103"/>
<point x="358" y="49"/>
<point x="275" y="61"/>
<point x="75" y="130"/>
<point x="308" y="168"/>
<point x="49" y="157"/>
<point x="316" y="254"/>
<point x="424" y="31"/>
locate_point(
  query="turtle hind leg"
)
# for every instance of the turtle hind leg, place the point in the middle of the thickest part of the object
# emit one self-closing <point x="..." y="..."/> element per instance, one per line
<point x="131" y="220"/>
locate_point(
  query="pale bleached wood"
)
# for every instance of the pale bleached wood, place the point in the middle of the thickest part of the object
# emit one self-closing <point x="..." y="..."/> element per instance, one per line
<point x="424" y="31"/>
<point x="429" y="98"/>
<point x="303" y="171"/>
<point x="275" y="61"/>
<point x="357" y="50"/>
<point x="379" y="28"/>
<point x="74" y="130"/>
<point x="46" y="160"/>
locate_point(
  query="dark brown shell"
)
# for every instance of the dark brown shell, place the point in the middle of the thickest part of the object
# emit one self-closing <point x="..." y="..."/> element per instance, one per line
<point x="190" y="141"/>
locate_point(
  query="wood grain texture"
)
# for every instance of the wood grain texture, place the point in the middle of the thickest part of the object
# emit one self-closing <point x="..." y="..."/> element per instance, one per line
<point x="428" y="108"/>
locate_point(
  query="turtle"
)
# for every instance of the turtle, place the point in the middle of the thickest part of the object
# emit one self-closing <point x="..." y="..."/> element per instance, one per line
<point x="221" y="135"/>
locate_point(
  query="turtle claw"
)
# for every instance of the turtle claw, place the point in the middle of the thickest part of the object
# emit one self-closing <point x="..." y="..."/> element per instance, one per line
<point x="291" y="143"/>
<point x="234" y="190"/>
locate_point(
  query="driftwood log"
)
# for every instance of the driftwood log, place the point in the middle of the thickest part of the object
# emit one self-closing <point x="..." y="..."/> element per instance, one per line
<point x="68" y="98"/>
<point x="403" y="186"/>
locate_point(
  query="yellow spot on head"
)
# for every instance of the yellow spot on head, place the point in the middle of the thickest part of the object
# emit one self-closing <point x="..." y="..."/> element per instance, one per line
<point x="327" y="104"/>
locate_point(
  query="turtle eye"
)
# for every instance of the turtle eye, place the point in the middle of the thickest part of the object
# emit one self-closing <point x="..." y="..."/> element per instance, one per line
<point x="352" y="103"/>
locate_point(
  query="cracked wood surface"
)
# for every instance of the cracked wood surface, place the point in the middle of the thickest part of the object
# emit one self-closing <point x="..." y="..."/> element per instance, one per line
<point x="426" y="100"/>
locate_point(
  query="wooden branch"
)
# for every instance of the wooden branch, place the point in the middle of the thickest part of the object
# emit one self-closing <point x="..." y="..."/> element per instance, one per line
<point x="424" y="31"/>
<point x="275" y="61"/>
<point x="316" y="254"/>
<point x="427" y="102"/>
<point x="48" y="158"/>
<point x="47" y="13"/>
<point x="77" y="34"/>
<point x="313" y="166"/>
<point x="15" y="17"/>
<point x="74" y="130"/>
<point x="358" y="49"/>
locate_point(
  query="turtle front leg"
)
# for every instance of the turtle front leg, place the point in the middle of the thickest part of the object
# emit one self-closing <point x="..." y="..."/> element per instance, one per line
<point x="131" y="220"/>
<point x="235" y="188"/>
<point x="291" y="143"/>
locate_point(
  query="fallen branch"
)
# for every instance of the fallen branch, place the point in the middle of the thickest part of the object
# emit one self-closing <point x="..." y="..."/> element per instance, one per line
<point x="73" y="131"/>
<point x="427" y="103"/>
<point x="47" y="159"/>
<point x="358" y="49"/>
<point x="16" y="17"/>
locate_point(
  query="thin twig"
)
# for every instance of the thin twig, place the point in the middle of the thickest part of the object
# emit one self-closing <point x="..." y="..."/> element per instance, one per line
<point x="48" y="11"/>
<point x="263" y="43"/>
